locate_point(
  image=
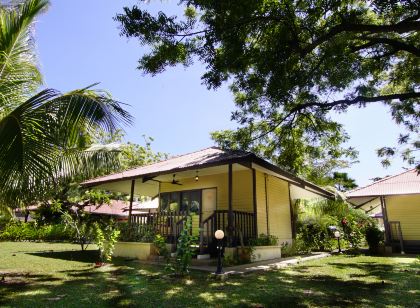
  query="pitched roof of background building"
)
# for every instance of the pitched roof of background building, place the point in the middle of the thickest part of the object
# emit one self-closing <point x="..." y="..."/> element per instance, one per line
<point x="404" y="183"/>
<point x="121" y="208"/>
<point x="115" y="208"/>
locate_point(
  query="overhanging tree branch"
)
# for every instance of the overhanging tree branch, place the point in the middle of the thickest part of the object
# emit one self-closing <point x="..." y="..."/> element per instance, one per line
<point x="343" y="103"/>
<point x="401" y="27"/>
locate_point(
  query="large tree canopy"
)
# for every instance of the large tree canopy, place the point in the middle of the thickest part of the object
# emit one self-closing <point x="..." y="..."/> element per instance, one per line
<point x="290" y="64"/>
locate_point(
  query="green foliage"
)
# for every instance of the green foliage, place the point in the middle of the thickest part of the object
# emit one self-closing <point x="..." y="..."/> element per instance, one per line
<point x="290" y="63"/>
<point x="5" y="217"/>
<point x="131" y="155"/>
<point x="316" y="218"/>
<point x="343" y="182"/>
<point x="136" y="233"/>
<point x="186" y="248"/>
<point x="80" y="226"/>
<point x="105" y="238"/>
<point x="374" y="237"/>
<point x="298" y="247"/>
<point x="19" y="231"/>
<point x="42" y="134"/>
<point x="161" y="249"/>
<point x="264" y="240"/>
<point x="315" y="234"/>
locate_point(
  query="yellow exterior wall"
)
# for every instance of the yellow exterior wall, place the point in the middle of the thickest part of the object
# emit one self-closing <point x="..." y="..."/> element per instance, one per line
<point x="279" y="220"/>
<point x="406" y="210"/>
<point x="242" y="195"/>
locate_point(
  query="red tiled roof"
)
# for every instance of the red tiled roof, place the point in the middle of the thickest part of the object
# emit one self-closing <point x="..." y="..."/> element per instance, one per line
<point x="115" y="208"/>
<point x="121" y="208"/>
<point x="404" y="183"/>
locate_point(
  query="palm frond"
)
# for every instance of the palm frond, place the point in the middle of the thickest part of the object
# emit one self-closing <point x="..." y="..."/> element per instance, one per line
<point x="39" y="140"/>
<point x="19" y="74"/>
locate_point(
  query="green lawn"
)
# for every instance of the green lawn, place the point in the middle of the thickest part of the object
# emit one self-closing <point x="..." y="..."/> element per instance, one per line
<point x="58" y="275"/>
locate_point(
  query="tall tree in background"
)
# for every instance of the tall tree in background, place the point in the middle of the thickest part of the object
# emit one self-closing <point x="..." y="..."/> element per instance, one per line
<point x="291" y="64"/>
<point x="343" y="182"/>
<point x="42" y="135"/>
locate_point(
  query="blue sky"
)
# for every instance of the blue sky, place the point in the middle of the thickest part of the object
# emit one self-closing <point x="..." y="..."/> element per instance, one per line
<point x="79" y="44"/>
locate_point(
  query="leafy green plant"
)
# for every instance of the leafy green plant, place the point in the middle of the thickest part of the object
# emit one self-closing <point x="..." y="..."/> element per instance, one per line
<point x="245" y="254"/>
<point x="297" y="247"/>
<point x="81" y="227"/>
<point x="136" y="233"/>
<point x="185" y="249"/>
<point x="105" y="239"/>
<point x="315" y="234"/>
<point x="161" y="249"/>
<point x="315" y="219"/>
<point x="374" y="237"/>
<point x="264" y="240"/>
<point x="31" y="231"/>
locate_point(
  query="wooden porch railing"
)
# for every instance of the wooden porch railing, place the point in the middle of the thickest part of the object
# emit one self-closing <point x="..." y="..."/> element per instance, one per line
<point x="243" y="228"/>
<point x="170" y="225"/>
<point x="167" y="224"/>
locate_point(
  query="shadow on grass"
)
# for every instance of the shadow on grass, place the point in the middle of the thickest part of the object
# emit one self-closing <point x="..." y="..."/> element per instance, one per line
<point x="87" y="256"/>
<point x="135" y="284"/>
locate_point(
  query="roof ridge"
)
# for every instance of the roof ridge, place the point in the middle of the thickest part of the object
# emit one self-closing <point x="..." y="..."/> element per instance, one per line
<point x="380" y="181"/>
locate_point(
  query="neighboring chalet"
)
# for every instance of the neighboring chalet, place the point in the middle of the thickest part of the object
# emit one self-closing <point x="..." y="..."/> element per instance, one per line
<point x="396" y="200"/>
<point x="119" y="210"/>
<point x="116" y="209"/>
<point x="235" y="191"/>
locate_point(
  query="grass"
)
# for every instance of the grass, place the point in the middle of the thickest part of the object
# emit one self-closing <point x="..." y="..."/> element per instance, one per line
<point x="58" y="275"/>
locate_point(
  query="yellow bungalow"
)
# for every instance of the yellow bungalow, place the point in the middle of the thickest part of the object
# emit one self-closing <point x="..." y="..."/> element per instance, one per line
<point x="396" y="201"/>
<point x="235" y="191"/>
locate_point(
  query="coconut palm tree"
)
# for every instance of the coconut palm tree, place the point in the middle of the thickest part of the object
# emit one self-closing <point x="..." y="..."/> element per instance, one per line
<point x="43" y="135"/>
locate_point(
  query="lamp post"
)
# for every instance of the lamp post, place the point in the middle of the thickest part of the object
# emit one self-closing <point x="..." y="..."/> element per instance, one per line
<point x="337" y="236"/>
<point x="219" y="235"/>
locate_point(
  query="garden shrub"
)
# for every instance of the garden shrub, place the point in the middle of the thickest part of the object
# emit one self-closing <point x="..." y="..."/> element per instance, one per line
<point x="315" y="234"/>
<point x="105" y="238"/>
<point x="185" y="249"/>
<point x="136" y="233"/>
<point x="316" y="218"/>
<point x="264" y="240"/>
<point x="297" y="247"/>
<point x="160" y="245"/>
<point x="81" y="227"/>
<point x="374" y="236"/>
<point x="30" y="231"/>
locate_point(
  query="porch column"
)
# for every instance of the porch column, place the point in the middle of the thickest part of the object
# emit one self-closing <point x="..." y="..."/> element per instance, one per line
<point x="385" y="218"/>
<point x="266" y="204"/>
<point x="230" y="209"/>
<point x="130" y="209"/>
<point x="292" y="215"/>
<point x="254" y="201"/>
